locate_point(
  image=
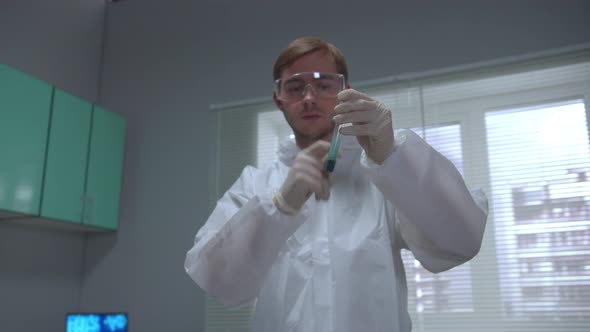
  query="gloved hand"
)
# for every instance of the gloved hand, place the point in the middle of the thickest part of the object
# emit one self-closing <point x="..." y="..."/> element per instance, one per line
<point x="371" y="123"/>
<point x="306" y="176"/>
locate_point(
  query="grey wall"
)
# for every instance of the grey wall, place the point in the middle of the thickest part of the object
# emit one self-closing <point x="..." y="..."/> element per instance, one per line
<point x="41" y="269"/>
<point x="57" y="41"/>
<point x="167" y="61"/>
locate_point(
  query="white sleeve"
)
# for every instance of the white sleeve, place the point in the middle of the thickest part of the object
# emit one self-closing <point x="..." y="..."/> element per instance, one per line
<point x="236" y="247"/>
<point x="439" y="219"/>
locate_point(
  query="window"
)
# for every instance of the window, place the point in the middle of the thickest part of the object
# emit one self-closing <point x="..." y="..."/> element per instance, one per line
<point x="520" y="132"/>
<point x="539" y="167"/>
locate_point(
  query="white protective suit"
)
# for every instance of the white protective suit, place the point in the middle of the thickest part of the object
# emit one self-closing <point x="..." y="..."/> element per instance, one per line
<point x="336" y="265"/>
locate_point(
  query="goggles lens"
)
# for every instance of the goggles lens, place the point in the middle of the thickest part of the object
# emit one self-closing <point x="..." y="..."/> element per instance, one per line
<point x="323" y="85"/>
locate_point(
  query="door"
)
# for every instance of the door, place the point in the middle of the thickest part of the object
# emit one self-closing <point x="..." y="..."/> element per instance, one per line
<point x="24" y="120"/>
<point x="105" y="169"/>
<point x="67" y="153"/>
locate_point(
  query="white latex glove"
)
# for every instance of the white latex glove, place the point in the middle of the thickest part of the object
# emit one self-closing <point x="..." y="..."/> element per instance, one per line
<point x="371" y="123"/>
<point x="306" y="176"/>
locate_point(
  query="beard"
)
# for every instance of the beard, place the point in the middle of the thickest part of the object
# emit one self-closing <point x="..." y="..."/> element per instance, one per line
<point x="323" y="133"/>
<point x="308" y="133"/>
<point x="307" y="136"/>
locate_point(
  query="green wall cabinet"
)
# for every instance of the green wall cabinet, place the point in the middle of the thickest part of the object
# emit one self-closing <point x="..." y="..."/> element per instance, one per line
<point x="105" y="169"/>
<point x="25" y="105"/>
<point x="67" y="152"/>
<point x="61" y="157"/>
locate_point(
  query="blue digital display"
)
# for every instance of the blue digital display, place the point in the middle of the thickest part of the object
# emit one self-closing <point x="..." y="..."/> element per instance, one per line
<point x="91" y="322"/>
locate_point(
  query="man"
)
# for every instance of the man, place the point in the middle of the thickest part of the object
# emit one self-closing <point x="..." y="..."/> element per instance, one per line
<point x="321" y="252"/>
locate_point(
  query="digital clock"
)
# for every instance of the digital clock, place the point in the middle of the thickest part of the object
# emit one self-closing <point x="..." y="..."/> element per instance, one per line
<point x="96" y="322"/>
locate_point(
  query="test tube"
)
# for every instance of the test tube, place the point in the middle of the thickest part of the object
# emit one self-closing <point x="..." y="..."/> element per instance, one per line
<point x="333" y="150"/>
<point x="335" y="144"/>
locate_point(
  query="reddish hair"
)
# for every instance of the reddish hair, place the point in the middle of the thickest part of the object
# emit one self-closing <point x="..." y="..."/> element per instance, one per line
<point x="303" y="46"/>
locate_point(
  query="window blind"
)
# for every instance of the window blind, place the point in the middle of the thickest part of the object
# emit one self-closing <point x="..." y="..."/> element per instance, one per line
<point x="520" y="133"/>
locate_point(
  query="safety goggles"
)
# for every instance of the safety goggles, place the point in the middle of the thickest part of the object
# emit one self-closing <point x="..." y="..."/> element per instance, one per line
<point x="322" y="85"/>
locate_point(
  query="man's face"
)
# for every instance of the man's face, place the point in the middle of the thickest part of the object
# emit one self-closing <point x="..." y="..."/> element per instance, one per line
<point x="311" y="116"/>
